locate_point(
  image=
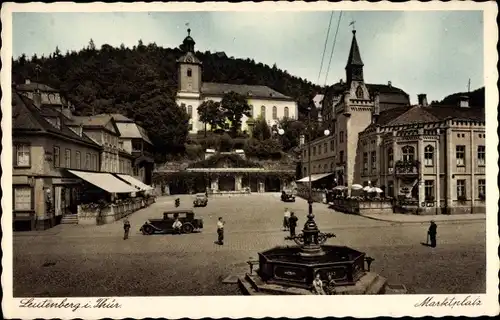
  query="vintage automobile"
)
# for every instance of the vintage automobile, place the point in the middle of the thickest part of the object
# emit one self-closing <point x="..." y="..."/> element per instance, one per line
<point x="287" y="196"/>
<point x="186" y="217"/>
<point x="200" y="200"/>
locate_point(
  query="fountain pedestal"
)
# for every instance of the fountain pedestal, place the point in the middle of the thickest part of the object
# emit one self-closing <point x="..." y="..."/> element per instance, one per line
<point x="291" y="270"/>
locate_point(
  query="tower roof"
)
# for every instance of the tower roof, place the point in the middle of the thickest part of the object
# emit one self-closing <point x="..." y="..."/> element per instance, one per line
<point x="354" y="55"/>
<point x="188" y="43"/>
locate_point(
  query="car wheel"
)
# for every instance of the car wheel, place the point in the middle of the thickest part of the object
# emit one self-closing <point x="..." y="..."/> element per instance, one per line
<point x="187" y="228"/>
<point x="147" y="230"/>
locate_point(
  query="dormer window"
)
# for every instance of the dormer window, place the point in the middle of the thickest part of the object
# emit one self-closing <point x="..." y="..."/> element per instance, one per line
<point x="189" y="73"/>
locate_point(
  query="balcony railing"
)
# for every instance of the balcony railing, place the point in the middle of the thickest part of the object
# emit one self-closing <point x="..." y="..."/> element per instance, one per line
<point x="407" y="167"/>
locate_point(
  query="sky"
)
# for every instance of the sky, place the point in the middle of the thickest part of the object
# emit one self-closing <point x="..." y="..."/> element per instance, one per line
<point x="431" y="52"/>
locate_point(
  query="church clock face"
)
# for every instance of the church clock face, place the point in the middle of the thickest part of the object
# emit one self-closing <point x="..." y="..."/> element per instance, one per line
<point x="189" y="59"/>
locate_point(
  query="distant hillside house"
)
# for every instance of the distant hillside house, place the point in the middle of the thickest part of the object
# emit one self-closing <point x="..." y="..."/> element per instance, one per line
<point x="192" y="91"/>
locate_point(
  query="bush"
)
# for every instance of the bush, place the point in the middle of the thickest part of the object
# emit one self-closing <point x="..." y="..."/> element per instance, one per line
<point x="225" y="143"/>
<point x="194" y="151"/>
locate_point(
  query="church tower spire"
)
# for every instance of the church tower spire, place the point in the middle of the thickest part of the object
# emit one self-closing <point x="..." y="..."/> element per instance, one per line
<point x="354" y="67"/>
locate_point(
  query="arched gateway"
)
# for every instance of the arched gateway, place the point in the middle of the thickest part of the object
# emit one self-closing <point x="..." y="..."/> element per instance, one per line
<point x="225" y="173"/>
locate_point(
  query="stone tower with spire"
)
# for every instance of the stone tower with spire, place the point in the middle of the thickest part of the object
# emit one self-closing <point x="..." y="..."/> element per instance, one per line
<point x="353" y="115"/>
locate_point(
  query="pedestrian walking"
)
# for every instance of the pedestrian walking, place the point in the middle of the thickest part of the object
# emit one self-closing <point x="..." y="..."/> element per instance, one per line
<point x="292" y="223"/>
<point x="431" y="233"/>
<point x="286" y="217"/>
<point x="220" y="231"/>
<point x="126" y="228"/>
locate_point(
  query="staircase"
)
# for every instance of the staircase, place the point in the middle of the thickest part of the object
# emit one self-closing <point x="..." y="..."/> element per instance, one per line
<point x="69" y="219"/>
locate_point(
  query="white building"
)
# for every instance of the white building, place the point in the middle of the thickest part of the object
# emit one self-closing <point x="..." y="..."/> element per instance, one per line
<point x="272" y="105"/>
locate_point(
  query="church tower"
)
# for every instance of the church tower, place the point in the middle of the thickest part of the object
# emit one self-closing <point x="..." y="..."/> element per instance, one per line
<point x="189" y="68"/>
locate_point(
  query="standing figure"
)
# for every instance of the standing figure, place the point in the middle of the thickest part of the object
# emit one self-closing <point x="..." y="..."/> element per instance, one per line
<point x="292" y="223"/>
<point x="330" y="285"/>
<point x="220" y="231"/>
<point x="318" y="285"/>
<point x="177" y="226"/>
<point x="286" y="217"/>
<point x="126" y="228"/>
<point x="432" y="232"/>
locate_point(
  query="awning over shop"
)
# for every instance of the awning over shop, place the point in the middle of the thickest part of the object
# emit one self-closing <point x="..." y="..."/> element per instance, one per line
<point x="314" y="177"/>
<point x="135" y="182"/>
<point x="105" y="181"/>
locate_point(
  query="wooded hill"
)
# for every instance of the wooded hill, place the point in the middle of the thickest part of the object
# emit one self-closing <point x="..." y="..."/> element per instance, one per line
<point x="141" y="83"/>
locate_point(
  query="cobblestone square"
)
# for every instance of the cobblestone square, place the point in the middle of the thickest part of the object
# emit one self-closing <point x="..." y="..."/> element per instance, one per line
<point x="74" y="260"/>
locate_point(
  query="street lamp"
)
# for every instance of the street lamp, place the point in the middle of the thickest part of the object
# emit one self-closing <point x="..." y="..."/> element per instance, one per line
<point x="311" y="238"/>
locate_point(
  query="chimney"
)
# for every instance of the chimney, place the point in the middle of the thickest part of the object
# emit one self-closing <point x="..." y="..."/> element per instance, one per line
<point x="389" y="84"/>
<point x="341" y="81"/>
<point x="27" y="81"/>
<point x="376" y="107"/>
<point x="464" y="102"/>
<point x="422" y="100"/>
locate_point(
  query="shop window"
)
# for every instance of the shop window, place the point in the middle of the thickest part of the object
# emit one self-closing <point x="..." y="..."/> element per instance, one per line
<point x="23" y="199"/>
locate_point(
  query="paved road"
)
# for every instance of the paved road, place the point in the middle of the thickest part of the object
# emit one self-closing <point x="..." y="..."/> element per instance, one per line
<point x="95" y="261"/>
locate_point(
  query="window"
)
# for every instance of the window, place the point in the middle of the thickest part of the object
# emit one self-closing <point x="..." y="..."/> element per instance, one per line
<point x="481" y="187"/>
<point x="120" y="169"/>
<point x="429" y="155"/>
<point x="57" y="157"/>
<point x="94" y="162"/>
<point x="78" y="160"/>
<point x="481" y="155"/>
<point x="67" y="158"/>
<point x="287" y="115"/>
<point x="341" y="156"/>
<point x="305" y="171"/>
<point x="190" y="111"/>
<point x="429" y="190"/>
<point x="325" y="168"/>
<point x="314" y="151"/>
<point x="460" y="154"/>
<point x="331" y="167"/>
<point x="263" y="111"/>
<point x="374" y="160"/>
<point x="325" y="147"/>
<point x="275" y="112"/>
<point x="189" y="72"/>
<point x="365" y="162"/>
<point x="341" y="136"/>
<point x="390" y="157"/>
<point x="23" y="199"/>
<point x="87" y="161"/>
<point x="319" y="149"/>
<point x="359" y="93"/>
<point x="332" y="145"/>
<point x="408" y="153"/>
<point x="23" y="155"/>
<point x="461" y="189"/>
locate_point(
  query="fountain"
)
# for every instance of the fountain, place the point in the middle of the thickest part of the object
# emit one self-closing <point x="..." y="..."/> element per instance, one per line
<point x="291" y="269"/>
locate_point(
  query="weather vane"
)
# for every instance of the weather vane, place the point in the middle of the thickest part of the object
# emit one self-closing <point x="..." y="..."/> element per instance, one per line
<point x="353" y="24"/>
<point x="189" y="30"/>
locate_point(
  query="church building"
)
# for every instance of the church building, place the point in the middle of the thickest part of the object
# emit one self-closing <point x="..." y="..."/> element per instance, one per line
<point x="192" y="92"/>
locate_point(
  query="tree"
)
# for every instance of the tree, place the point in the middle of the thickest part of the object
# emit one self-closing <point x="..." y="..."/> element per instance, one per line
<point x="293" y="129"/>
<point x="91" y="46"/>
<point x="210" y="112"/>
<point x="261" y="130"/>
<point x="234" y="107"/>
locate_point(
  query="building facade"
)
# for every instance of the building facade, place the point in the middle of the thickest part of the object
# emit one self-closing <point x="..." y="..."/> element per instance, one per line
<point x="43" y="149"/>
<point x="432" y="158"/>
<point x="429" y="157"/>
<point x="192" y="92"/>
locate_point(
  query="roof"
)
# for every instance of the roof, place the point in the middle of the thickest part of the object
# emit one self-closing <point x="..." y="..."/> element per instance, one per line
<point x="264" y="92"/>
<point x="132" y="130"/>
<point x="354" y="55"/>
<point x="32" y="86"/>
<point x="189" y="57"/>
<point x="28" y="118"/>
<point x="92" y="121"/>
<point x="383" y="89"/>
<point x="117" y="116"/>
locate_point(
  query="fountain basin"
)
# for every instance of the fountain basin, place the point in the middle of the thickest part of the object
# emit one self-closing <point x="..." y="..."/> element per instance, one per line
<point x="287" y="267"/>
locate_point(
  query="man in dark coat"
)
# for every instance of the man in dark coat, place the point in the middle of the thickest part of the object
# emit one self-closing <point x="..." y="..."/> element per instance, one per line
<point x="220" y="231"/>
<point x="126" y="228"/>
<point x="292" y="223"/>
<point x="432" y="232"/>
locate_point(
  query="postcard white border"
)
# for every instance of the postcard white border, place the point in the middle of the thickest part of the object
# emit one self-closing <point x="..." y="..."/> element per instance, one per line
<point x="268" y="306"/>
